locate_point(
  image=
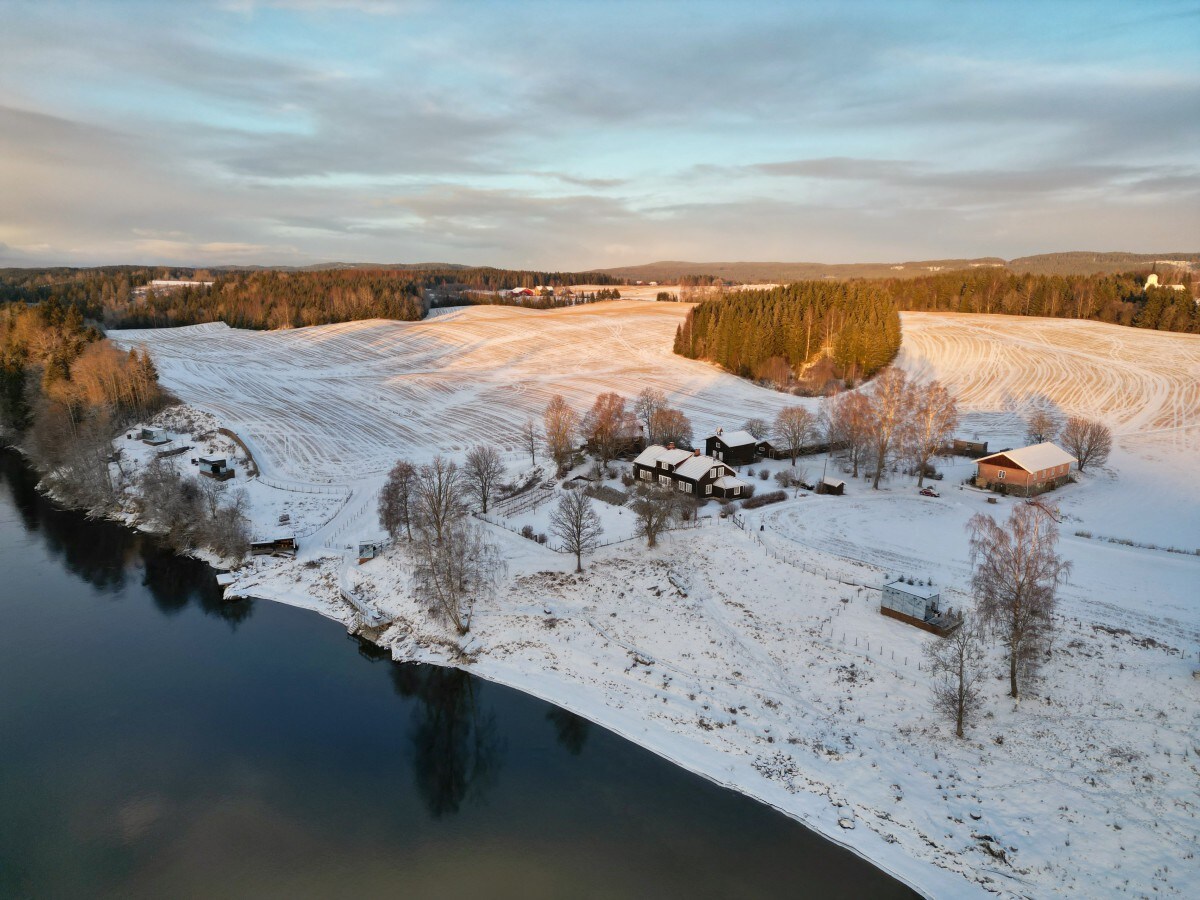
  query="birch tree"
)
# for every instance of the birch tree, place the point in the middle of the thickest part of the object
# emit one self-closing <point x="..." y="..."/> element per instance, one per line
<point x="396" y="500"/>
<point x="575" y="522"/>
<point x="645" y="405"/>
<point x="655" y="508"/>
<point x="671" y="426"/>
<point x="794" y="427"/>
<point x="890" y="406"/>
<point x="846" y="418"/>
<point x="934" y="418"/>
<point x="481" y="472"/>
<point x="455" y="570"/>
<point x="437" y="495"/>
<point x="956" y="669"/>
<point x="608" y="425"/>
<point x="1017" y="572"/>
<point x="559" y="424"/>
<point x="531" y="435"/>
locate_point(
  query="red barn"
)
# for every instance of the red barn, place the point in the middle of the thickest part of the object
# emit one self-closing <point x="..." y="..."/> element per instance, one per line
<point x="1025" y="471"/>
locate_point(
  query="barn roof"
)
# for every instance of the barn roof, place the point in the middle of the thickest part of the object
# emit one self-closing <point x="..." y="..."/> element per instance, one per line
<point x="736" y="438"/>
<point x="695" y="467"/>
<point x="1034" y="458"/>
<point x="833" y="482"/>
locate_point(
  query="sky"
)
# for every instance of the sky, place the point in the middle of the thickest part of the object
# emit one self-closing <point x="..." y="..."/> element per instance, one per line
<point x="572" y="135"/>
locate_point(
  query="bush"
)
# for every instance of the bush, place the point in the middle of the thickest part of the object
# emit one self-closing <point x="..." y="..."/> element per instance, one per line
<point x="606" y="494"/>
<point x="527" y="531"/>
<point x="764" y="499"/>
<point x="764" y="475"/>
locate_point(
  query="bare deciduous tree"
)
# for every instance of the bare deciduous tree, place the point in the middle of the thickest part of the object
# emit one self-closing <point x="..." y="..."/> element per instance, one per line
<point x="575" y="522"/>
<point x="1040" y="426"/>
<point x="559" y="425"/>
<point x="890" y="417"/>
<point x="655" y="508"/>
<point x="758" y="428"/>
<point x="645" y="405"/>
<point x="671" y="426"/>
<point x="455" y="570"/>
<point x="1017" y="571"/>
<point x="396" y="499"/>
<point x="531" y="435"/>
<point x="608" y="426"/>
<point x="846" y="418"/>
<point x="437" y="501"/>
<point x="481" y="471"/>
<point x="956" y="666"/>
<point x="794" y="427"/>
<point x="1087" y="440"/>
<point x="934" y="418"/>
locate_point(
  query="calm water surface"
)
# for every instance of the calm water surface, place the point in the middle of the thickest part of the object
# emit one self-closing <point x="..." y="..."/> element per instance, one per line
<point x="157" y="742"/>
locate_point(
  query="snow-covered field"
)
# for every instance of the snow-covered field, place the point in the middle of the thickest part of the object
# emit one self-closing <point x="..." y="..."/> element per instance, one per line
<point x="758" y="657"/>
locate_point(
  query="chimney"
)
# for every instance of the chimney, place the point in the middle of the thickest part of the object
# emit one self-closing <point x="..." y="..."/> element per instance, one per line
<point x="670" y="445"/>
<point x="696" y="452"/>
<point x="720" y="431"/>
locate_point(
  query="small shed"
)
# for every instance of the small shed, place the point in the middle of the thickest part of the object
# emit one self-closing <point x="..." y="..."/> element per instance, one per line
<point x="155" y="437"/>
<point x="369" y="550"/>
<point x="215" y="467"/>
<point x="919" y="604"/>
<point x="973" y="449"/>
<point x="285" y="546"/>
<point x="831" y="486"/>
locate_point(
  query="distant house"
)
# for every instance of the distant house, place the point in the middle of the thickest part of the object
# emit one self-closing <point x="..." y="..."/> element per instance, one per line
<point x="689" y="472"/>
<point x="215" y="467"/>
<point x="522" y="292"/>
<point x="917" y="604"/>
<point x="1025" y="471"/>
<point x="1152" y="281"/>
<point x="737" y="448"/>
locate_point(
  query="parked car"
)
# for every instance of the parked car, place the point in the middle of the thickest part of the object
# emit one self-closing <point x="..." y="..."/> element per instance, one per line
<point x="929" y="492"/>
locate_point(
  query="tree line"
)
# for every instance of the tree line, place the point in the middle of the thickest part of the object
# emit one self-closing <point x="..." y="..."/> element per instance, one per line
<point x="776" y="335"/>
<point x="1118" y="299"/>
<point x="266" y="298"/>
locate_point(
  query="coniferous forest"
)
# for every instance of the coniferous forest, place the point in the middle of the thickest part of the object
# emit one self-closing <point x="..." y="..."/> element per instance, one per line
<point x="776" y="335"/>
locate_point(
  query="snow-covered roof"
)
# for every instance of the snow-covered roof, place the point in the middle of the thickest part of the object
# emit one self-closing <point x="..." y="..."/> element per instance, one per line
<point x="657" y="452"/>
<point x="725" y="482"/>
<point x="1035" y="458"/>
<point x="695" y="467"/>
<point x="736" y="438"/>
<point x="924" y="591"/>
<point x="833" y="482"/>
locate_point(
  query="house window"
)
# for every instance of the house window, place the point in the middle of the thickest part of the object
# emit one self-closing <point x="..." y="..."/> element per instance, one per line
<point x="664" y="479"/>
<point x="718" y="455"/>
<point x="737" y="491"/>
<point x="684" y="486"/>
<point x="707" y="489"/>
<point x="646" y="475"/>
<point x="1000" y="474"/>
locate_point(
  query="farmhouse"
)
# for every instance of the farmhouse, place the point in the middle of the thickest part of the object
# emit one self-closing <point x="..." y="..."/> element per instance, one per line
<point x="689" y="471"/>
<point x="1026" y="471"/>
<point x="917" y="604"/>
<point x="737" y="448"/>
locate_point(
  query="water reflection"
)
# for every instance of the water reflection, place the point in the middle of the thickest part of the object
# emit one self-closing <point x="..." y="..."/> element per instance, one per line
<point x="570" y="730"/>
<point x="103" y="554"/>
<point x="457" y="751"/>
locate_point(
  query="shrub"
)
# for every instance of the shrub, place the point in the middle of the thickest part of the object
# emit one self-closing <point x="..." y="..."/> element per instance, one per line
<point x="764" y="475"/>
<point x="764" y="499"/>
<point x="527" y="531"/>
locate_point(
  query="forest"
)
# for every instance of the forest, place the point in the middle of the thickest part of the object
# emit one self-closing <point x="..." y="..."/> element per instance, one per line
<point x="776" y="335"/>
<point x="1119" y="299"/>
<point x="118" y="297"/>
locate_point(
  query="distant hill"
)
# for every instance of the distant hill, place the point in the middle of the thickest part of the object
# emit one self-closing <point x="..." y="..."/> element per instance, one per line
<point x="1075" y="263"/>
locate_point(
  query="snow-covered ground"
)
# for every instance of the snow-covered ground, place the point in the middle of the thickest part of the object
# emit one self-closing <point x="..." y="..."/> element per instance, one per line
<point x="757" y="656"/>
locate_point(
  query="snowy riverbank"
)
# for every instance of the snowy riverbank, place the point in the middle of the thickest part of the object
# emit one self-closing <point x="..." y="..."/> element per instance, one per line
<point x="759" y="658"/>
